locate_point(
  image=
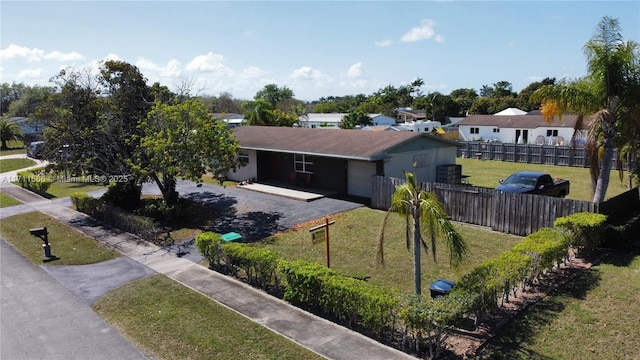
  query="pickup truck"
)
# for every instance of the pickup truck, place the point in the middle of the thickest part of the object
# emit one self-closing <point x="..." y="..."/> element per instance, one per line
<point x="532" y="182"/>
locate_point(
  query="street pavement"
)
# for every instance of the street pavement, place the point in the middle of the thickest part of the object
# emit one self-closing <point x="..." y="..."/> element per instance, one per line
<point x="249" y="213"/>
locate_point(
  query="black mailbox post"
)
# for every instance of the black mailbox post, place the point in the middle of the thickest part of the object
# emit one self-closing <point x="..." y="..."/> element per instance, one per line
<point x="43" y="234"/>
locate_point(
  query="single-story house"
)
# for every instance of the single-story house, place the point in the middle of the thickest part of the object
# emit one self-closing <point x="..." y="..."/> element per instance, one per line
<point x="332" y="120"/>
<point x="342" y="161"/>
<point x="231" y="120"/>
<point x="407" y="114"/>
<point x="520" y="129"/>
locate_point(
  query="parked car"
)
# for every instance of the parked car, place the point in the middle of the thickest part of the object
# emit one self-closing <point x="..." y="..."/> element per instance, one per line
<point x="35" y="149"/>
<point x="533" y="182"/>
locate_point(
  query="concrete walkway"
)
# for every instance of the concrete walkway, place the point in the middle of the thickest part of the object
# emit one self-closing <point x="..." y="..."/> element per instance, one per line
<point x="317" y="334"/>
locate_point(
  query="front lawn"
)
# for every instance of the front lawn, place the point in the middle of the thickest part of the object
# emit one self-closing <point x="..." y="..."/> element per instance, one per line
<point x="14" y="147"/>
<point x="70" y="246"/>
<point x="175" y="322"/>
<point x="353" y="244"/>
<point x="7" y="165"/>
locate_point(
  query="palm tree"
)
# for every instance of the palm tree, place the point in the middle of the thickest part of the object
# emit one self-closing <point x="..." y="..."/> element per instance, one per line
<point x="9" y="131"/>
<point x="425" y="212"/>
<point x="607" y="99"/>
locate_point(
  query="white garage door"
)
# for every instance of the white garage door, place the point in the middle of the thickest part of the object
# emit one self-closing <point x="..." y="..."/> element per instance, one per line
<point x="359" y="177"/>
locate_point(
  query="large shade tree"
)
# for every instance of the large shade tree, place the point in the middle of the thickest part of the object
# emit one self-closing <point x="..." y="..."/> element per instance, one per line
<point x="179" y="140"/>
<point x="607" y="99"/>
<point x="424" y="219"/>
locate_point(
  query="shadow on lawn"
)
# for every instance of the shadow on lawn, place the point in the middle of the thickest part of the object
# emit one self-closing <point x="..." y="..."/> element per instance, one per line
<point x="512" y="341"/>
<point x="252" y="225"/>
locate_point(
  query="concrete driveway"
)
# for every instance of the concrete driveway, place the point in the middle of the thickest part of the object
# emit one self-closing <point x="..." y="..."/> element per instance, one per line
<point x="254" y="215"/>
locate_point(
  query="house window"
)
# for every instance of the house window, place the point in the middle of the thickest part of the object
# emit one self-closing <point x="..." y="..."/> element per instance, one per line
<point x="496" y="130"/>
<point x="420" y="160"/>
<point x="302" y="164"/>
<point x="475" y="130"/>
<point x="243" y="157"/>
<point x="552" y="132"/>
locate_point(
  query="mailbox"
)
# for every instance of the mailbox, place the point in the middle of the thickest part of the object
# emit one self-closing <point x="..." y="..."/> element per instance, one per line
<point x="43" y="234"/>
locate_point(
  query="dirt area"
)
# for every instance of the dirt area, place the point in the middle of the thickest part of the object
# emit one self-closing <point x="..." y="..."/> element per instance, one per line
<point x="465" y="344"/>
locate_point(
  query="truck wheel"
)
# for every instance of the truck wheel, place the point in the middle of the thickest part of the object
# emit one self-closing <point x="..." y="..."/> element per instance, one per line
<point x="562" y="194"/>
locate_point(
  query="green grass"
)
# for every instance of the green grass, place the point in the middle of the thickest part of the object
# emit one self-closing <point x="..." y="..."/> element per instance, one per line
<point x="69" y="245"/>
<point x="6" y="200"/>
<point x="487" y="173"/>
<point x="353" y="245"/>
<point x="592" y="317"/>
<point x="175" y="322"/>
<point x="15" y="164"/>
<point x="15" y="147"/>
<point x="64" y="189"/>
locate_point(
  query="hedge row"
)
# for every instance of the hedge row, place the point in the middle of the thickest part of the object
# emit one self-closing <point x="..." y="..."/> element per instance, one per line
<point x="309" y="285"/>
<point x="141" y="226"/>
<point x="358" y="303"/>
<point x="35" y="181"/>
<point x="494" y="280"/>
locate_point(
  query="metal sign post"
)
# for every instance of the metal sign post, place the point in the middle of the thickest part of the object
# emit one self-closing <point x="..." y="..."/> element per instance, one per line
<point x="319" y="234"/>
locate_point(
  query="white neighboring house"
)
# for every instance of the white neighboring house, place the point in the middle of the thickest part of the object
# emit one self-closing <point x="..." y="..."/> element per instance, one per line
<point x="332" y="120"/>
<point x="419" y="126"/>
<point x="515" y="128"/>
<point x="231" y="120"/>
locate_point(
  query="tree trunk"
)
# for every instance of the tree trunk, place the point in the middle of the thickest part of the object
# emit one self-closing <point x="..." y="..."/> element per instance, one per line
<point x="417" y="276"/>
<point x="608" y="129"/>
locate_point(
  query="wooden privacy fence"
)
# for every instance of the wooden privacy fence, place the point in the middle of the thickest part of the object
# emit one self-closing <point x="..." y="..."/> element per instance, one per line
<point x="528" y="153"/>
<point x="519" y="214"/>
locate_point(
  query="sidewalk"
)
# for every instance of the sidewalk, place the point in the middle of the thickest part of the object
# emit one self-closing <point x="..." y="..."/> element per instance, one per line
<point x="317" y="334"/>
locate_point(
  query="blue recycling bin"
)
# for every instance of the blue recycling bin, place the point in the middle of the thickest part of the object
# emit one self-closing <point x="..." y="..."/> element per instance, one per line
<point x="440" y="288"/>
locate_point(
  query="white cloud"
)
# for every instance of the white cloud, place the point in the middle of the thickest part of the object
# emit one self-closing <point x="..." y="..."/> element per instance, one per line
<point x="251" y="72"/>
<point x="172" y="69"/>
<point x="383" y="43"/>
<point x="355" y="71"/>
<point x="306" y="73"/>
<point x="209" y="63"/>
<point x="16" y="52"/>
<point x="422" y="32"/>
<point x="30" y="74"/>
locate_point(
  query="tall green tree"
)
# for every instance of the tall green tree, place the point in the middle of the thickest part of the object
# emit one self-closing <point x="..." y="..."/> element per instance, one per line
<point x="181" y="141"/>
<point x="607" y="99"/>
<point x="259" y="112"/>
<point x="355" y="118"/>
<point x="9" y="132"/>
<point x="274" y="94"/>
<point x="424" y="214"/>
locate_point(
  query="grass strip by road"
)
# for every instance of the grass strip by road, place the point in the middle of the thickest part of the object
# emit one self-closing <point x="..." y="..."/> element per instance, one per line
<point x="15" y="164"/>
<point x="594" y="316"/>
<point x="487" y="173"/>
<point x="175" y="322"/>
<point x="14" y="147"/>
<point x="6" y="200"/>
<point x="70" y="246"/>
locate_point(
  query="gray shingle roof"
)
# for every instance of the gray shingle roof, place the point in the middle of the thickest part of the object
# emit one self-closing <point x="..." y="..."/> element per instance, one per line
<point x="352" y="144"/>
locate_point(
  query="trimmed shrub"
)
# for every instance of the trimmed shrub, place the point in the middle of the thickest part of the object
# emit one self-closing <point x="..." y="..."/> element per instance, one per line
<point x="37" y="182"/>
<point x="85" y="203"/>
<point x="587" y="229"/>
<point x="125" y="195"/>
<point x="209" y="245"/>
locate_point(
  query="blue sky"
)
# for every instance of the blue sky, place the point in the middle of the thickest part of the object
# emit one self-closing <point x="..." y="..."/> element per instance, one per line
<point x="315" y="48"/>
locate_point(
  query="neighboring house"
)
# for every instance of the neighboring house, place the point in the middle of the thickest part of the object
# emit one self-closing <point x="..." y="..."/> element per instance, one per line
<point x="332" y="120"/>
<point x="342" y="161"/>
<point x="520" y="129"/>
<point x="407" y="114"/>
<point x="420" y="126"/>
<point x="231" y="120"/>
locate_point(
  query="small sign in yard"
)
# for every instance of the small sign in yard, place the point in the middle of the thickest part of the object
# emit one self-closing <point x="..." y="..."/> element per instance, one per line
<point x="319" y="234"/>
